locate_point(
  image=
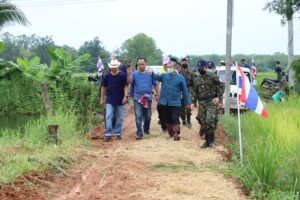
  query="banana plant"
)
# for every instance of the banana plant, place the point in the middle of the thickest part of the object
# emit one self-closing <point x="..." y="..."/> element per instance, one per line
<point x="9" y="69"/>
<point x="62" y="65"/>
<point x="31" y="66"/>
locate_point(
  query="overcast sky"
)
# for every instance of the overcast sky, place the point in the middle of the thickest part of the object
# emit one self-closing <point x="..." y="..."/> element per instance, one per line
<point x="179" y="27"/>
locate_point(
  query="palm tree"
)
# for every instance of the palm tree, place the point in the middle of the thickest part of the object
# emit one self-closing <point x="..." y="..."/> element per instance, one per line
<point x="10" y="13"/>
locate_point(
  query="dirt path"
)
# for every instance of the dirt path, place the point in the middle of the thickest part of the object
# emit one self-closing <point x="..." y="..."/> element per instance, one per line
<point x="155" y="168"/>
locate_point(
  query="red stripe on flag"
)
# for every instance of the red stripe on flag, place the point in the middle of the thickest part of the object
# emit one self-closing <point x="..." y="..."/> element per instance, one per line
<point x="242" y="96"/>
<point x="264" y="113"/>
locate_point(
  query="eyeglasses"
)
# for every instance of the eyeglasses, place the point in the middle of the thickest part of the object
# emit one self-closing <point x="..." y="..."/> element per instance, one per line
<point x="141" y="64"/>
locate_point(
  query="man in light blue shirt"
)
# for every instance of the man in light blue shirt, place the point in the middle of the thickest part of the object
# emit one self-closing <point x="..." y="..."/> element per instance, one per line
<point x="141" y="92"/>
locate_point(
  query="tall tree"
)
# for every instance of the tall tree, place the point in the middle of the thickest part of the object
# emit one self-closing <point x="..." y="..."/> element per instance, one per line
<point x="95" y="48"/>
<point x="26" y="46"/>
<point x="287" y="9"/>
<point x="141" y="46"/>
<point x="10" y="13"/>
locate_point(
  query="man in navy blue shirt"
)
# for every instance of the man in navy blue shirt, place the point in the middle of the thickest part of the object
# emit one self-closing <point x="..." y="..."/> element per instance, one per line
<point x="114" y="85"/>
<point x="244" y="63"/>
<point x="141" y="92"/>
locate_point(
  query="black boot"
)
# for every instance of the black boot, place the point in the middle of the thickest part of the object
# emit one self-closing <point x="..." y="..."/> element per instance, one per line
<point x="189" y="124"/>
<point x="176" y="130"/>
<point x="206" y="144"/>
<point x="164" y="126"/>
<point x="211" y="135"/>
<point x="170" y="130"/>
<point x="202" y="132"/>
<point x="209" y="138"/>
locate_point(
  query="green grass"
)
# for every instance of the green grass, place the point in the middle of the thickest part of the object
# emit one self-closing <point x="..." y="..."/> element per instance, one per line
<point x="20" y="97"/>
<point x="271" y="149"/>
<point x="82" y="74"/>
<point x="260" y="76"/>
<point x="23" y="96"/>
<point x="264" y="93"/>
<point x="32" y="151"/>
<point x="75" y="104"/>
<point x="181" y="165"/>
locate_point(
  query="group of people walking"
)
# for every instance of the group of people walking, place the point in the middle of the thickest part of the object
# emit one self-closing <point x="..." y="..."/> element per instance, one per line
<point x="175" y="88"/>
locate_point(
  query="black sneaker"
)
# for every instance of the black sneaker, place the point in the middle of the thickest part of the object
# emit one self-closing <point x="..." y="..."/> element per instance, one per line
<point x="176" y="137"/>
<point x="201" y="132"/>
<point x="206" y="145"/>
<point x="147" y="132"/>
<point x="107" y="138"/>
<point x="119" y="137"/>
<point x="139" y="137"/>
<point x="184" y="123"/>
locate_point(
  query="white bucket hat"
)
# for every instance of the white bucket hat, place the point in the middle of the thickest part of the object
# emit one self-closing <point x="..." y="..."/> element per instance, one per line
<point x="114" y="64"/>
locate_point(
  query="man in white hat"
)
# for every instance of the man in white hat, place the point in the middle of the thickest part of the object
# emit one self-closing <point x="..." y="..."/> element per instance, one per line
<point x="114" y="85"/>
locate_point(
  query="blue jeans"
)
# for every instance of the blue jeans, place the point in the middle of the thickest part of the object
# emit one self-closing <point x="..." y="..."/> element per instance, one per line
<point x="110" y="109"/>
<point x="142" y="115"/>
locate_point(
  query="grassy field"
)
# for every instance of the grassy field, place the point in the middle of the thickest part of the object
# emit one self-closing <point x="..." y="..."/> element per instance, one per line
<point x="75" y="107"/>
<point x="262" y="75"/>
<point x="271" y="167"/>
<point x="271" y="150"/>
<point x="31" y="149"/>
<point x="264" y="93"/>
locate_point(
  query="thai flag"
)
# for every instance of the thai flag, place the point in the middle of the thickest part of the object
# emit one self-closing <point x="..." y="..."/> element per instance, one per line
<point x="99" y="65"/>
<point x="253" y="69"/>
<point x="247" y="95"/>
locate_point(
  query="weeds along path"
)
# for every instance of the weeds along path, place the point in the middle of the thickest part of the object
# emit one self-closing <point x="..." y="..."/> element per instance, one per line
<point x="153" y="168"/>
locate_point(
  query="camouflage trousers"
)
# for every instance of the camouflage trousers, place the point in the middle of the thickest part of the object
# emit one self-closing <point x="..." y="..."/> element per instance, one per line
<point x="207" y="118"/>
<point x="185" y="114"/>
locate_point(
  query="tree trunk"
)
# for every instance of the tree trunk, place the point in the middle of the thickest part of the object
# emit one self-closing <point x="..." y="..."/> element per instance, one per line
<point x="52" y="130"/>
<point x="46" y="100"/>
<point x="228" y="55"/>
<point x="290" y="51"/>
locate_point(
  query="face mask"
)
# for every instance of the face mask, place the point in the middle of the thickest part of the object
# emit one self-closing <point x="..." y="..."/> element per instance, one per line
<point x="210" y="71"/>
<point x="202" y="71"/>
<point x="184" y="66"/>
<point x="170" y="70"/>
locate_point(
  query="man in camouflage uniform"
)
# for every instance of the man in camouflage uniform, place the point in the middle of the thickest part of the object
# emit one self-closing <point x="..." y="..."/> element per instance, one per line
<point x="208" y="91"/>
<point x="185" y="114"/>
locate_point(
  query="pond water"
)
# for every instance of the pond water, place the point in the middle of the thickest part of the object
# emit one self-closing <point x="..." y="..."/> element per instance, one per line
<point x="15" y="122"/>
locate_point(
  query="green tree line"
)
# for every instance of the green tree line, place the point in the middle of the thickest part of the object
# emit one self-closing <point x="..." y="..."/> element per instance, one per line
<point x="139" y="45"/>
<point x="264" y="63"/>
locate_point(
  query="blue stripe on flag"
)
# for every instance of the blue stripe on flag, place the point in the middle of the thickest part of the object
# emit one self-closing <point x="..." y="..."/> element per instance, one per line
<point x="240" y="81"/>
<point x="252" y="99"/>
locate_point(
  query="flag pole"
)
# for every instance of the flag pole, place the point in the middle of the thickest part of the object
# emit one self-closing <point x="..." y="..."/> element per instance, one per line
<point x="239" y="116"/>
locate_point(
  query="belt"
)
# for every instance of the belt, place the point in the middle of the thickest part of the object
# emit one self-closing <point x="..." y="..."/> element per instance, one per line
<point x="207" y="98"/>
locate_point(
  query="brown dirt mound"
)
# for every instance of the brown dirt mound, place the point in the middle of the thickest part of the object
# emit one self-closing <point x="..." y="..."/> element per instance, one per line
<point x="27" y="186"/>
